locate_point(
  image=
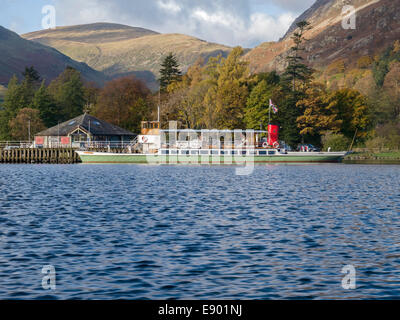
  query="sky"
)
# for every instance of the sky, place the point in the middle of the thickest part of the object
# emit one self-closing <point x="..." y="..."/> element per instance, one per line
<point x="231" y="22"/>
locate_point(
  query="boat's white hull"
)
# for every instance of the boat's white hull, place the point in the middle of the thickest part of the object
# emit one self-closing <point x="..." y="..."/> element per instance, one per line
<point x="291" y="157"/>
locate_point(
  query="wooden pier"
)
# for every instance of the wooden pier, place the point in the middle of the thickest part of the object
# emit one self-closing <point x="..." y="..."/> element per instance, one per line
<point x="37" y="155"/>
<point x="48" y="155"/>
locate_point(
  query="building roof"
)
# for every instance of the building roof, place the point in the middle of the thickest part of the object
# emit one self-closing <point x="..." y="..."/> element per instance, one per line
<point x="87" y="122"/>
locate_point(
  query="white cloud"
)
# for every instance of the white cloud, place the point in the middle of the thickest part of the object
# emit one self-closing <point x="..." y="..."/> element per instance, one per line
<point x="169" y="6"/>
<point x="216" y="18"/>
<point x="224" y="21"/>
<point x="267" y="27"/>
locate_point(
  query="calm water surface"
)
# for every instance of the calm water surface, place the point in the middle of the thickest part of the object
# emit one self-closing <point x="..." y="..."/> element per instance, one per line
<point x="143" y="232"/>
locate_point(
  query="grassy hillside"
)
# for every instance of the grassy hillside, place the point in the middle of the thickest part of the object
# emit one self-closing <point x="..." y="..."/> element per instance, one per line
<point x="121" y="50"/>
<point x="92" y="33"/>
<point x="16" y="53"/>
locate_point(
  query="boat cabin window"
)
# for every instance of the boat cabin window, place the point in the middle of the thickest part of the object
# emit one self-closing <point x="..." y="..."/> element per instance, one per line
<point x="252" y="152"/>
<point x="262" y="153"/>
<point x="215" y="152"/>
<point x="234" y="152"/>
<point x="194" y="152"/>
<point x="164" y="151"/>
<point x="244" y="152"/>
<point x="150" y="125"/>
<point x="185" y="152"/>
<point x="271" y="153"/>
<point x="175" y="152"/>
<point x="204" y="152"/>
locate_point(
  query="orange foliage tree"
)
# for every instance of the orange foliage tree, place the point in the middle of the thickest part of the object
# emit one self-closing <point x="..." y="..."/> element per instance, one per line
<point x="364" y="62"/>
<point x="124" y="102"/>
<point x="27" y="121"/>
<point x="320" y="114"/>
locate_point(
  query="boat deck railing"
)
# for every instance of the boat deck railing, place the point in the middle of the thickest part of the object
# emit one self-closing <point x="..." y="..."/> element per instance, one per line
<point x="8" y="145"/>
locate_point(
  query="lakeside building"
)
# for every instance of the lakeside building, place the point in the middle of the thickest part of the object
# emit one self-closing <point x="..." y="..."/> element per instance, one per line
<point x="81" y="131"/>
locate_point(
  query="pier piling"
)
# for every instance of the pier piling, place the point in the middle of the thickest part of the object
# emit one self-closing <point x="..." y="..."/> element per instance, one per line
<point x="53" y="156"/>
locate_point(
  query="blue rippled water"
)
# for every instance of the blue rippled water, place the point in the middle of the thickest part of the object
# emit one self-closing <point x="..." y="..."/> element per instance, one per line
<point x="142" y="232"/>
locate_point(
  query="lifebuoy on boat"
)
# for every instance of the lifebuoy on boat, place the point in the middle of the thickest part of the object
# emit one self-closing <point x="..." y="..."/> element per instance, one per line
<point x="276" y="145"/>
<point x="265" y="145"/>
<point x="145" y="139"/>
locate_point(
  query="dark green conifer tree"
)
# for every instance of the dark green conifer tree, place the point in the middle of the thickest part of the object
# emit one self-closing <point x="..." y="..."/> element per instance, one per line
<point x="169" y="71"/>
<point x="47" y="106"/>
<point x="69" y="93"/>
<point x="295" y="81"/>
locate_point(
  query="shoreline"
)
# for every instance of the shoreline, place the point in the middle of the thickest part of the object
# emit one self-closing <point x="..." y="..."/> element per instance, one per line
<point x="373" y="158"/>
<point x="66" y="156"/>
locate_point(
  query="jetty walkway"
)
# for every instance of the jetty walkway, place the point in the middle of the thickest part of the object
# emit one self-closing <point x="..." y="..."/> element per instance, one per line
<point x="26" y="153"/>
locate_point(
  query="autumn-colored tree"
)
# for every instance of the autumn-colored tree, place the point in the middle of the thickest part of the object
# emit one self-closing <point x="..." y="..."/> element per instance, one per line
<point x="26" y="123"/>
<point x="354" y="112"/>
<point x="392" y="88"/>
<point x="364" y="62"/>
<point x="211" y="76"/>
<point x="124" y="102"/>
<point x="337" y="66"/>
<point x="182" y="106"/>
<point x="319" y="112"/>
<point x="212" y="95"/>
<point x="396" y="46"/>
<point x="185" y="102"/>
<point x="232" y="92"/>
<point x="195" y="72"/>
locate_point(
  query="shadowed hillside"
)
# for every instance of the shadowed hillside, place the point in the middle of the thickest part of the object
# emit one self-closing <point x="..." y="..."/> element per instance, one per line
<point x="120" y="50"/>
<point x="16" y="53"/>
<point x="377" y="27"/>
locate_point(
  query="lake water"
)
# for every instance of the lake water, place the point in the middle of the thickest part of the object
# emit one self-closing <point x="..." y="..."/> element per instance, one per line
<point x="143" y="232"/>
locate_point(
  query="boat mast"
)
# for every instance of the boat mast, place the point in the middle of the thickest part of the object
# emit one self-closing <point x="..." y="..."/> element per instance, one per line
<point x="269" y="121"/>
<point x="158" y="108"/>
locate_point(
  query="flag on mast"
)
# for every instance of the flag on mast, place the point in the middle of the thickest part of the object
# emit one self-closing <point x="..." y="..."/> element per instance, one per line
<point x="274" y="107"/>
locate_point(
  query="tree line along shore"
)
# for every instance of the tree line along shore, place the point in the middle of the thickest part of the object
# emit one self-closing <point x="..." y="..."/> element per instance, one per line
<point x="219" y="93"/>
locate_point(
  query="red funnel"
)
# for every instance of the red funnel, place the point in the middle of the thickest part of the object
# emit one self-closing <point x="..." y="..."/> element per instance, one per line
<point x="273" y="134"/>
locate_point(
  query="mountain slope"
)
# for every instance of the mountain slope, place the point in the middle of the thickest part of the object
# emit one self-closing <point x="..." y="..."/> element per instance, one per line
<point x="378" y="25"/>
<point x="91" y="33"/>
<point x="324" y="13"/>
<point x="120" y="50"/>
<point x="16" y="53"/>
